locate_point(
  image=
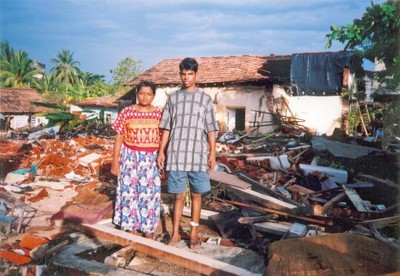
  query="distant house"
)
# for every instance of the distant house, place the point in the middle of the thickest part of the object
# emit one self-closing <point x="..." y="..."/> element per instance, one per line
<point x="92" y="108"/>
<point x="233" y="82"/>
<point x="17" y="109"/>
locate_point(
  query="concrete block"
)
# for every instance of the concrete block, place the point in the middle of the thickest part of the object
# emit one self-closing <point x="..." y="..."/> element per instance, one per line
<point x="86" y="160"/>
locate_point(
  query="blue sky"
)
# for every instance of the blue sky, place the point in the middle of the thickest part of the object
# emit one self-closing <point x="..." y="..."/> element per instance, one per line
<point x="100" y="33"/>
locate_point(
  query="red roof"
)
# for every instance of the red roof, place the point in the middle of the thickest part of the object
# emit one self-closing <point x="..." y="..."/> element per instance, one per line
<point x="106" y="101"/>
<point x="211" y="70"/>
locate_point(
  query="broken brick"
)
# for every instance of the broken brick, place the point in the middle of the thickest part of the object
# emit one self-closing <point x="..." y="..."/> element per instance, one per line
<point x="31" y="241"/>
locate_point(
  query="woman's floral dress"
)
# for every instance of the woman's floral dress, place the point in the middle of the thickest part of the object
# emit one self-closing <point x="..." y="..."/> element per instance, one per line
<point x="137" y="203"/>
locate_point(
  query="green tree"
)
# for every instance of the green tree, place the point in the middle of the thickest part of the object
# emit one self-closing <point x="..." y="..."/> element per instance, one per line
<point x="100" y="89"/>
<point x="17" y="69"/>
<point x="49" y="88"/>
<point x="66" y="69"/>
<point x="93" y="85"/>
<point x="91" y="78"/>
<point x="127" y="69"/>
<point x="376" y="37"/>
<point x="47" y="84"/>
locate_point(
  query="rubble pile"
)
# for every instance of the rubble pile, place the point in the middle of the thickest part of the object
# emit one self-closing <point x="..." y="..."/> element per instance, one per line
<point x="266" y="189"/>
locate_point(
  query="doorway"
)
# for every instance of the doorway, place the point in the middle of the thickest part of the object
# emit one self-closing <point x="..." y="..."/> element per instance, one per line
<point x="236" y="119"/>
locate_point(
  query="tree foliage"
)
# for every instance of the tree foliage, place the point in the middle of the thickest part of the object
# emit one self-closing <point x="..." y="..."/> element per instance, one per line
<point x="17" y="69"/>
<point x="127" y="69"/>
<point x="376" y="37"/>
<point x="65" y="83"/>
<point x="66" y="69"/>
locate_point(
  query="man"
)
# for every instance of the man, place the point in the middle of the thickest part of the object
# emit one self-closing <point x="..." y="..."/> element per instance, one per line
<point x="188" y="124"/>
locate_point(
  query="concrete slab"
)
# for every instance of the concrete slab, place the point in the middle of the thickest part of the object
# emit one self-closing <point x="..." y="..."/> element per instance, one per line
<point x="205" y="260"/>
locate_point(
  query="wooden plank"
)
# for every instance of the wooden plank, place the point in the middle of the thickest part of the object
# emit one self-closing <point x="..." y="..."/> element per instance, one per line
<point x="271" y="227"/>
<point x="121" y="258"/>
<point x="204" y="214"/>
<point x="229" y="179"/>
<point x="252" y="220"/>
<point x="378" y="181"/>
<point x="355" y="199"/>
<point x="382" y="222"/>
<point x="105" y="230"/>
<point x="328" y="206"/>
<point x="321" y="220"/>
<point x="265" y="200"/>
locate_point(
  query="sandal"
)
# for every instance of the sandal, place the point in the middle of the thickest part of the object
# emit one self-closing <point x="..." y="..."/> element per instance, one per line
<point x="195" y="244"/>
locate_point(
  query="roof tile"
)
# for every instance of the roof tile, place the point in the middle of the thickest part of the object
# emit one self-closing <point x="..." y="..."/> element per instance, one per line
<point x="211" y="70"/>
<point x="18" y="100"/>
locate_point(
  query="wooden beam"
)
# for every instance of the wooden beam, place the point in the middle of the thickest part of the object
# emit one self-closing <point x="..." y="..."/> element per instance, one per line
<point x="383" y="222"/>
<point x="251" y="220"/>
<point x="356" y="200"/>
<point x="105" y="230"/>
<point x="280" y="213"/>
<point x="263" y="199"/>
<point x="229" y="179"/>
<point x="273" y="227"/>
<point x="327" y="207"/>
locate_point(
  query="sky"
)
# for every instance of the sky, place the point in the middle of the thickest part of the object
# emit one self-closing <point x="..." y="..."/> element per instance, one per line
<point x="101" y="33"/>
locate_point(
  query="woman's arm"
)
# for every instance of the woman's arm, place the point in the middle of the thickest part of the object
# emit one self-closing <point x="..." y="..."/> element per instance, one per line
<point x="115" y="167"/>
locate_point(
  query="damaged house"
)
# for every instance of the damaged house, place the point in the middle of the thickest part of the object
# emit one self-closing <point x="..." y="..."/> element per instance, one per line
<point x="17" y="110"/>
<point x="309" y="86"/>
<point x="92" y="108"/>
<point x="250" y="90"/>
<point x="233" y="82"/>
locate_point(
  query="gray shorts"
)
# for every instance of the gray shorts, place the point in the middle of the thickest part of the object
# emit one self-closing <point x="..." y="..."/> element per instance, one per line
<point x="199" y="182"/>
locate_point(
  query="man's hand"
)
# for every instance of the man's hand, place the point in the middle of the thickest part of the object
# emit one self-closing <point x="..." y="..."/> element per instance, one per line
<point x="212" y="162"/>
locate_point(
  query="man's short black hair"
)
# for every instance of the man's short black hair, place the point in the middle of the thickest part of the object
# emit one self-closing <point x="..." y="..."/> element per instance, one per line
<point x="189" y="64"/>
<point x="147" y="83"/>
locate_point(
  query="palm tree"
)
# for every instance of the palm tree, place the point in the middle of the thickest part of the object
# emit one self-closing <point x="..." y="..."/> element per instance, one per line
<point x="48" y="84"/>
<point x="17" y="69"/>
<point x="66" y="68"/>
<point x="91" y="78"/>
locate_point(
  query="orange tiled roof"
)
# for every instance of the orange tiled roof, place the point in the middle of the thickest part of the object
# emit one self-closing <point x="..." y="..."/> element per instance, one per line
<point x="211" y="70"/>
<point x="106" y="101"/>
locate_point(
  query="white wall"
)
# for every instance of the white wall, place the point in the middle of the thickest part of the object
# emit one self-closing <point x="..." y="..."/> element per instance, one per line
<point x="21" y="121"/>
<point x="248" y="97"/>
<point x="321" y="114"/>
<point x="113" y="112"/>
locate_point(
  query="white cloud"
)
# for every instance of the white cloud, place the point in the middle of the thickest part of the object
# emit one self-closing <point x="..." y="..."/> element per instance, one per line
<point x="101" y="33"/>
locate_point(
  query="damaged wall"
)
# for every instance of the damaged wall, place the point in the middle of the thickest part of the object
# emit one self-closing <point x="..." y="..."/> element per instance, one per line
<point x="236" y="100"/>
<point x="320" y="113"/>
<point x="234" y="105"/>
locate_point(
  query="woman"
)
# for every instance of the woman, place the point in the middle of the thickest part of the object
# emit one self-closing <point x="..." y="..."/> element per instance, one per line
<point x="137" y="203"/>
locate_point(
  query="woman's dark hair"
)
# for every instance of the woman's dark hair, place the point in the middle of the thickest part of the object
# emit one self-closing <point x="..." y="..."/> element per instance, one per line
<point x="147" y="83"/>
<point x="189" y="64"/>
